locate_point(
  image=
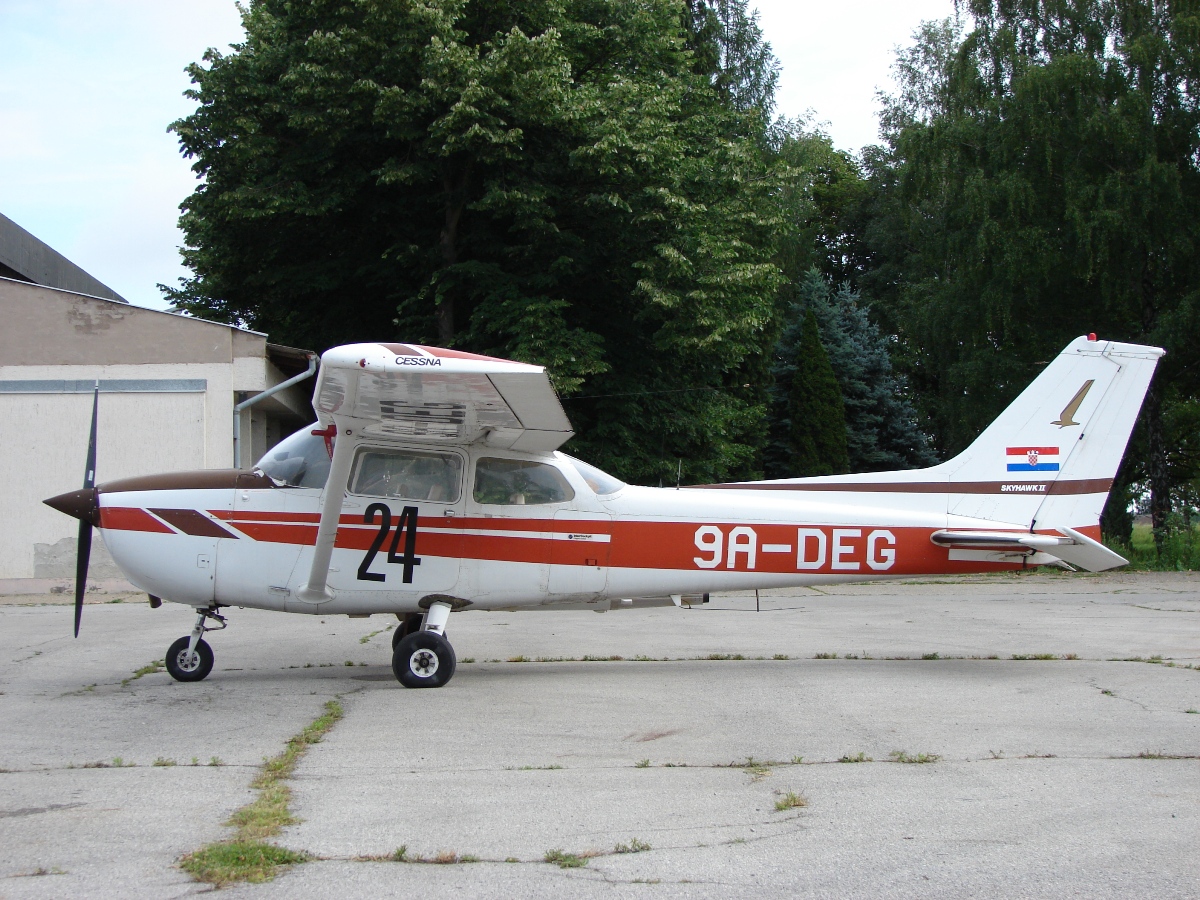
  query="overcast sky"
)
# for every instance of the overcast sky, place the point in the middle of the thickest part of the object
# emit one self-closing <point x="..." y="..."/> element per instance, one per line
<point x="88" y="87"/>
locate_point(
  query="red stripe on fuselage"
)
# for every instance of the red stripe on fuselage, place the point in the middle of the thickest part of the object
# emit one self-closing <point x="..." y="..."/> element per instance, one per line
<point x="128" y="518"/>
<point x="686" y="546"/>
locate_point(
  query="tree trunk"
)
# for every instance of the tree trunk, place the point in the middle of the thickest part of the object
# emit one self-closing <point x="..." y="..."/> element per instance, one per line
<point x="1160" y="480"/>
<point x="455" y="185"/>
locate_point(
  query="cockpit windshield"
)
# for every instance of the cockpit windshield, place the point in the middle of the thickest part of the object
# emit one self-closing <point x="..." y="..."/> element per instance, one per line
<point x="301" y="460"/>
<point x="600" y="482"/>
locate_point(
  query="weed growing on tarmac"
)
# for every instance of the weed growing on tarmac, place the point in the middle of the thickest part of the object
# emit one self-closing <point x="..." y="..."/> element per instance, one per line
<point x="1038" y="656"/>
<point x="825" y="656"/>
<point x="901" y="756"/>
<point x="467" y="659"/>
<point x="163" y="761"/>
<point x="156" y="666"/>
<point x="930" y="656"/>
<point x="215" y="761"/>
<point x="1192" y="711"/>
<point x="1163" y="754"/>
<point x="642" y="764"/>
<point x="247" y="857"/>
<point x="538" y="768"/>
<point x="39" y="872"/>
<point x="232" y="861"/>
<point x="634" y="846"/>
<point x="780" y="656"/>
<point x="565" y="860"/>
<point x="859" y="758"/>
<point x="518" y="659"/>
<point x="790" y="800"/>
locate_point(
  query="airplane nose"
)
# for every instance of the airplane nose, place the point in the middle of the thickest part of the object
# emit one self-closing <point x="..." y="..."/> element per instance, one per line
<point x="83" y="505"/>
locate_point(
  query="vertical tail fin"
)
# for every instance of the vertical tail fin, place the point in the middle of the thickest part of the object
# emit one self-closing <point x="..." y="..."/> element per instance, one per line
<point x="1055" y="450"/>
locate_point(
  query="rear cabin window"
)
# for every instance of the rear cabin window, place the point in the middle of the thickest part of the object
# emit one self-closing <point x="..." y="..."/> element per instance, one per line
<point x="519" y="482"/>
<point x="301" y="460"/>
<point x="407" y="475"/>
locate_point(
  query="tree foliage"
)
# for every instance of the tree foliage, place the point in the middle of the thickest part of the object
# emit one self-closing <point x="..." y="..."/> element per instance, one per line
<point x="813" y="433"/>
<point x="879" y="422"/>
<point x="1040" y="181"/>
<point x="559" y="181"/>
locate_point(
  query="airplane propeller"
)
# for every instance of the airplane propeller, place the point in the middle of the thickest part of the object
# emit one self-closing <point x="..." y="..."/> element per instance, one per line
<point x="83" y="505"/>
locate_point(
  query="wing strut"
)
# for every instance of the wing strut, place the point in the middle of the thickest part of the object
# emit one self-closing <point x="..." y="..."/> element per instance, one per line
<point x="315" y="590"/>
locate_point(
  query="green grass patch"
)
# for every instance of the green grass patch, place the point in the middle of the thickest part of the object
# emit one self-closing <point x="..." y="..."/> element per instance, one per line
<point x="565" y="860"/>
<point x="860" y="757"/>
<point x="1180" y="552"/>
<point x="246" y="857"/>
<point x="156" y="666"/>
<point x="229" y="862"/>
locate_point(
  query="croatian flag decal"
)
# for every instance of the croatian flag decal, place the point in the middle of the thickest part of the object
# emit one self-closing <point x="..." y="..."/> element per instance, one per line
<point x="1032" y="459"/>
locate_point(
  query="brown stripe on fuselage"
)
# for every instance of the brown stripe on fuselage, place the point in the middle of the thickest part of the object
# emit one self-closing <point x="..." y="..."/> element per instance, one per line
<point x="193" y="522"/>
<point x="1014" y="488"/>
<point x="400" y="349"/>
<point x="202" y="480"/>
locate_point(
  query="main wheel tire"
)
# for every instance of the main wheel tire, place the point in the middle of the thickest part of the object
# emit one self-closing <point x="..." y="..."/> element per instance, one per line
<point x="195" y="669"/>
<point x="409" y="624"/>
<point x="424" y="659"/>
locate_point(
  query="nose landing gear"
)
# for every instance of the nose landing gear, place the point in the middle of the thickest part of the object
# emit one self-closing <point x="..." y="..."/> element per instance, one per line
<point x="424" y="658"/>
<point x="190" y="658"/>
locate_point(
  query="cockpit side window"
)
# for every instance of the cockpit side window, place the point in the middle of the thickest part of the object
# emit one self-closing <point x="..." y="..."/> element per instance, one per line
<point x="519" y="482"/>
<point x="301" y="460"/>
<point x="407" y="475"/>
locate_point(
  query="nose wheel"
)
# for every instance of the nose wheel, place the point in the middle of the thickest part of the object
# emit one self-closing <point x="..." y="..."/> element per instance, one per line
<point x="190" y="658"/>
<point x="185" y="664"/>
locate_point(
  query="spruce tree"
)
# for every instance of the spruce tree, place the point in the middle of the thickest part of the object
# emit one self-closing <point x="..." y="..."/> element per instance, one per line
<point x="817" y="436"/>
<point x="882" y="431"/>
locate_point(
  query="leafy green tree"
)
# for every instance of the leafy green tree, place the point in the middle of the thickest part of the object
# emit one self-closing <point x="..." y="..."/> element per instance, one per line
<point x="728" y="47"/>
<point x="558" y="181"/>
<point x="1042" y="182"/>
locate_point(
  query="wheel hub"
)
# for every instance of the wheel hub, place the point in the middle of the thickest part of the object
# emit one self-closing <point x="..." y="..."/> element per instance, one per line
<point x="188" y="662"/>
<point x="423" y="663"/>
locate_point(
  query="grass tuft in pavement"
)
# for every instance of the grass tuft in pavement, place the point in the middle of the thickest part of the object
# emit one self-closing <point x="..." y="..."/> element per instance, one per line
<point x="228" y="862"/>
<point x="246" y="857"/>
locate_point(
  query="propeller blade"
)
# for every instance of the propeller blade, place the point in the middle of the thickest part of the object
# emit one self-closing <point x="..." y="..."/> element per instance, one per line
<point x="89" y="475"/>
<point x="83" y="551"/>
<point x="83" y="547"/>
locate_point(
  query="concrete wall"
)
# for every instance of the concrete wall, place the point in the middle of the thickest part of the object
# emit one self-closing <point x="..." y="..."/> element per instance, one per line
<point x="168" y="387"/>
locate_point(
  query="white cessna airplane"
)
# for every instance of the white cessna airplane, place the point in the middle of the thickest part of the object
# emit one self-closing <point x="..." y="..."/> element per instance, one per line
<point x="432" y="483"/>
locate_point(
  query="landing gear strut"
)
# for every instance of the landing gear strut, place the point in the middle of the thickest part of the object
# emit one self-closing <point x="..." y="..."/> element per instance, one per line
<point x="190" y="658"/>
<point x="425" y="658"/>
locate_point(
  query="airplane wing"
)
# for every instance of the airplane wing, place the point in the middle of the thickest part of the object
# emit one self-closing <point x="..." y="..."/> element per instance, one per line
<point x="440" y="396"/>
<point x="1070" y="546"/>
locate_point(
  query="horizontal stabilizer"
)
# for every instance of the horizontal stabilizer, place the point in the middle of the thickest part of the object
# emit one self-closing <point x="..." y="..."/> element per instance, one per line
<point x="1071" y="546"/>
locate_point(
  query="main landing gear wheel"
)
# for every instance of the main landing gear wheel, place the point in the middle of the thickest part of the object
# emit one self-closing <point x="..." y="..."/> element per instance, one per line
<point x="424" y="659"/>
<point x="185" y="666"/>
<point x="409" y="624"/>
